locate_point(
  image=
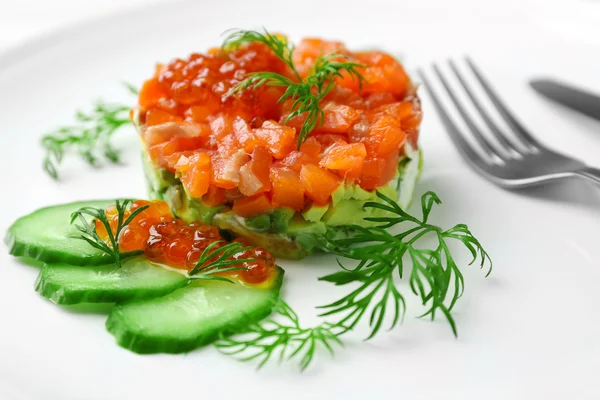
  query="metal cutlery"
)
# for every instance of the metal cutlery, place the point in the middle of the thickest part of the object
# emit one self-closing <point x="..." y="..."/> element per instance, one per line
<point x="510" y="161"/>
<point x="574" y="98"/>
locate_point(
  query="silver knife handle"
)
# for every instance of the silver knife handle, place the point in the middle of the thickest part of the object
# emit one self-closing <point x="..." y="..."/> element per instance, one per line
<point x="589" y="173"/>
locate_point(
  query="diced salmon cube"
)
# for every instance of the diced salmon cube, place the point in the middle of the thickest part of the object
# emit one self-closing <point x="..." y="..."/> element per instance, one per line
<point x="150" y="93"/>
<point x="327" y="139"/>
<point x="175" y="160"/>
<point x="346" y="159"/>
<point x="338" y="118"/>
<point x="378" y="171"/>
<point x="399" y="110"/>
<point x="214" y="196"/>
<point x="410" y="124"/>
<point x="249" y="183"/>
<point x="287" y="190"/>
<point x="226" y="170"/>
<point x="386" y="136"/>
<point x="254" y="175"/>
<point x="318" y="183"/>
<point x="311" y="147"/>
<point x="346" y="96"/>
<point x="296" y="159"/>
<point x="243" y="134"/>
<point x="375" y="100"/>
<point x="269" y="101"/>
<point x="165" y="132"/>
<point x="162" y="152"/>
<point x="309" y="49"/>
<point x="277" y="138"/>
<point x="383" y="73"/>
<point x="201" y="113"/>
<point x="252" y="206"/>
<point x="221" y="125"/>
<point x="196" y="174"/>
<point x="156" y="116"/>
<point x="162" y="133"/>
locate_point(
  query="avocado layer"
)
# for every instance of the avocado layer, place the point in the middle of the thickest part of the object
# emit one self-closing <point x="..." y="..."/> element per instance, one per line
<point x="163" y="185"/>
<point x="281" y="245"/>
<point x="285" y="233"/>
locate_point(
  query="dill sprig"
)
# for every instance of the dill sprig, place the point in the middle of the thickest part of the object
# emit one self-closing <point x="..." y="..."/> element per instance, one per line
<point x="217" y="260"/>
<point x="90" y="137"/>
<point x="278" y="43"/>
<point x="307" y="92"/>
<point x="435" y="277"/>
<point x="89" y="234"/>
<point x="282" y="337"/>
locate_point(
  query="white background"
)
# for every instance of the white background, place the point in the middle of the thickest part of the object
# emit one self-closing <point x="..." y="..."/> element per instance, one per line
<point x="24" y="19"/>
<point x="530" y="331"/>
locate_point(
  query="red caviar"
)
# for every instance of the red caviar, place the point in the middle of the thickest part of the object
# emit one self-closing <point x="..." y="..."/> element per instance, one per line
<point x="216" y="143"/>
<point x="169" y="240"/>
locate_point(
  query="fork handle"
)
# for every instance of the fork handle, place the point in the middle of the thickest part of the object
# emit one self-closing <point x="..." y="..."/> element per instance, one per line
<point x="589" y="173"/>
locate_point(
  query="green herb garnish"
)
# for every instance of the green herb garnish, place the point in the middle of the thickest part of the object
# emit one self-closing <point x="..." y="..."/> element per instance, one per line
<point x="212" y="262"/>
<point x="381" y="256"/>
<point x="307" y="93"/>
<point x="90" y="138"/>
<point x="435" y="277"/>
<point x="278" y="43"/>
<point x="89" y="234"/>
<point x="281" y="337"/>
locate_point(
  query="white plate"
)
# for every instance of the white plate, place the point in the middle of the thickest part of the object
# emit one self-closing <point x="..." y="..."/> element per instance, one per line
<point x="529" y="331"/>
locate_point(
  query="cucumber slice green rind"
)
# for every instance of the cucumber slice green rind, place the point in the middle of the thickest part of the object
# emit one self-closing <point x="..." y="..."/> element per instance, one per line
<point x="46" y="235"/>
<point x="137" y="279"/>
<point x="190" y="317"/>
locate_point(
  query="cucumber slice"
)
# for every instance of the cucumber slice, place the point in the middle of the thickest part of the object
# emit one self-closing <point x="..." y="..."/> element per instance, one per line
<point x="136" y="279"/>
<point x="46" y="235"/>
<point x="192" y="316"/>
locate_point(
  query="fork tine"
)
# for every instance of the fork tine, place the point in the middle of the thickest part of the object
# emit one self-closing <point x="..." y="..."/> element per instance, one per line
<point x="481" y="139"/>
<point x="527" y="140"/>
<point x="505" y="143"/>
<point x="464" y="147"/>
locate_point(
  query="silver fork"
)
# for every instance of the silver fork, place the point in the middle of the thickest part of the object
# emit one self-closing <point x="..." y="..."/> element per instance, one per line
<point x="509" y="161"/>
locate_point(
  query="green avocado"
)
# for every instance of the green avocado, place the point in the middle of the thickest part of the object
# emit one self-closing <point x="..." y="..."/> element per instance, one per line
<point x="284" y="232"/>
<point x="362" y="194"/>
<point x="279" y="244"/>
<point x="343" y="192"/>
<point x="163" y="185"/>
<point x="352" y="212"/>
<point x="308" y="234"/>
<point x="275" y="222"/>
<point x="260" y="222"/>
<point x="190" y="209"/>
<point x="348" y="201"/>
<point x="159" y="180"/>
<point x="280" y="219"/>
<point x="314" y="212"/>
<point x="409" y="173"/>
